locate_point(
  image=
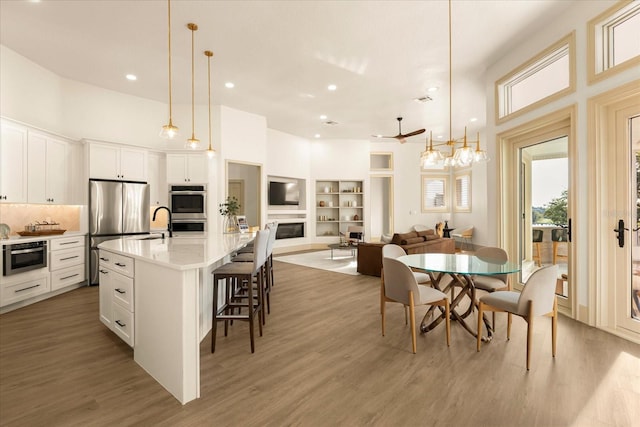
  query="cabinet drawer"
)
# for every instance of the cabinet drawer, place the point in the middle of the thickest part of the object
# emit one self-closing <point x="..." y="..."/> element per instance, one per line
<point x="66" y="258"/>
<point x="119" y="263"/>
<point x="66" y="243"/>
<point x="123" y="324"/>
<point x="21" y="291"/>
<point x="122" y="290"/>
<point x="67" y="276"/>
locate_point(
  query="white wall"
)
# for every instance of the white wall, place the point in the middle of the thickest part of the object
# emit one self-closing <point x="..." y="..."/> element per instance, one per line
<point x="574" y="18"/>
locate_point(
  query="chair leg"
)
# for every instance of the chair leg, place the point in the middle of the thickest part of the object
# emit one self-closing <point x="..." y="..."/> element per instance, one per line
<point x="529" y="334"/>
<point x="413" y="321"/>
<point x="509" y="326"/>
<point x="479" y="331"/>
<point x="447" y="321"/>
<point x="250" y="308"/>
<point x="381" y="292"/>
<point x="405" y="315"/>
<point x="214" y="316"/>
<point x="382" y="315"/>
<point x="554" y="327"/>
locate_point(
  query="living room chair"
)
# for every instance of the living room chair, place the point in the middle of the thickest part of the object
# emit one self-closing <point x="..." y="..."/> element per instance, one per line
<point x="400" y="286"/>
<point x="536" y="299"/>
<point x="354" y="234"/>
<point x="465" y="234"/>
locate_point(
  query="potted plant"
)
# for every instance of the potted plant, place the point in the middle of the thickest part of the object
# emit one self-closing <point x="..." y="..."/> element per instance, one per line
<point x="229" y="210"/>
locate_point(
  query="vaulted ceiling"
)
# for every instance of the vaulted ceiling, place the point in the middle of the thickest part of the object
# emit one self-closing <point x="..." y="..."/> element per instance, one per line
<point x="282" y="55"/>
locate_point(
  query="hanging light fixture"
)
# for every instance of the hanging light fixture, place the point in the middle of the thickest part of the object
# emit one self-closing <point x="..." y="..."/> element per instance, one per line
<point x="210" y="151"/>
<point x="169" y="131"/>
<point x="192" y="142"/>
<point x="461" y="156"/>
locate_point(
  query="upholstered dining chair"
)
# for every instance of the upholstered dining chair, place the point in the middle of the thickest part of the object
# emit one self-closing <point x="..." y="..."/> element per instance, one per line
<point x="400" y="286"/>
<point x="497" y="282"/>
<point x="536" y="299"/>
<point x="465" y="234"/>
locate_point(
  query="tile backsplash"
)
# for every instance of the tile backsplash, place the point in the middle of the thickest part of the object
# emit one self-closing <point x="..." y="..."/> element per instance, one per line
<point x="16" y="216"/>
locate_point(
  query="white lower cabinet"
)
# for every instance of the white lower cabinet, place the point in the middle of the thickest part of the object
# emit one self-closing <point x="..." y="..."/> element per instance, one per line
<point x="67" y="261"/>
<point x="117" y="294"/>
<point x="19" y="291"/>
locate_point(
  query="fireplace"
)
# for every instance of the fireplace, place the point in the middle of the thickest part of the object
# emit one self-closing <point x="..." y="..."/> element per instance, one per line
<point x="290" y="230"/>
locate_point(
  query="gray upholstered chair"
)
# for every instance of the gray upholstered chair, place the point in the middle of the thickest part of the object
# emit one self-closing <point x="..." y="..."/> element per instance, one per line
<point x="400" y="286"/>
<point x="536" y="299"/>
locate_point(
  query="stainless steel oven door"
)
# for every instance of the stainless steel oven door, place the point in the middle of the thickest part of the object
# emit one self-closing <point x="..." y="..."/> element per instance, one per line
<point x="21" y="257"/>
<point x="189" y="225"/>
<point x="188" y="204"/>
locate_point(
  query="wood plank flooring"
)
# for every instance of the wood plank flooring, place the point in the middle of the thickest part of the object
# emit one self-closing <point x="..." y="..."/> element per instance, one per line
<point x="321" y="362"/>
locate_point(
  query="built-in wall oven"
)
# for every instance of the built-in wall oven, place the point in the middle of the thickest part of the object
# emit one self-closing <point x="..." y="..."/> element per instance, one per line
<point x="21" y="257"/>
<point x="188" y="202"/>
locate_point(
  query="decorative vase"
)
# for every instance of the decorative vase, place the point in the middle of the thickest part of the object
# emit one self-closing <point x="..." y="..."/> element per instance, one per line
<point x="230" y="224"/>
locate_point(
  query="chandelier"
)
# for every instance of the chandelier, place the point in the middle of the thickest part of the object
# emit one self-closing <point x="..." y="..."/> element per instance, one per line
<point x="461" y="156"/>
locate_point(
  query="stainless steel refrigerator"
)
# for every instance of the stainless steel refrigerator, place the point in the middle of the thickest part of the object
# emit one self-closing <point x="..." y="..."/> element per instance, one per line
<point x="116" y="209"/>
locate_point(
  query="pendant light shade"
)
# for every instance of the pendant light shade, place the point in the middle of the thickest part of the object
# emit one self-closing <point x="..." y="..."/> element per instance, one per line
<point x="192" y="142"/>
<point x="210" y="151"/>
<point x="169" y="131"/>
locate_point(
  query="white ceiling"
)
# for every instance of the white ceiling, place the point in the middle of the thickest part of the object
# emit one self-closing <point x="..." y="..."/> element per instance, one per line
<point x="281" y="55"/>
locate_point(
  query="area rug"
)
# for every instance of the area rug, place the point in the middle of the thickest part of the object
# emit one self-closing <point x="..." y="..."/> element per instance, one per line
<point x="342" y="261"/>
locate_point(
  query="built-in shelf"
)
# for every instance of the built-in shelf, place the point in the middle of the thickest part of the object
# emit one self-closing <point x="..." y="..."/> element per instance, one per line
<point x="339" y="204"/>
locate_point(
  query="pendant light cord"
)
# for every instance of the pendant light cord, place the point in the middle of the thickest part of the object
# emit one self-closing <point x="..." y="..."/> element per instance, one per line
<point x="450" y="79"/>
<point x="170" y="100"/>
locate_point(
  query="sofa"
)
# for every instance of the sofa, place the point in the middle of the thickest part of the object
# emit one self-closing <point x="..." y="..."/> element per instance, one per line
<point x="413" y="242"/>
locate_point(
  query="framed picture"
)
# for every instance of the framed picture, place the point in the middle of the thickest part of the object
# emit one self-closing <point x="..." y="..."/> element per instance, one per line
<point x="242" y="223"/>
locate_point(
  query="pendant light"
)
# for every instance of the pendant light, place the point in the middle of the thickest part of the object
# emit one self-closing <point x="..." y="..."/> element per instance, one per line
<point x="210" y="151"/>
<point x="192" y="142"/>
<point x="169" y="131"/>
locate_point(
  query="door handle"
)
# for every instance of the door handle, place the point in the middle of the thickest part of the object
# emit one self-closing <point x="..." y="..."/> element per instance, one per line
<point x="620" y="231"/>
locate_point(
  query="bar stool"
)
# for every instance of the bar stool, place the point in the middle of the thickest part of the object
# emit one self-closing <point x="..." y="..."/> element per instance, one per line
<point x="558" y="236"/>
<point x="236" y="275"/>
<point x="537" y="241"/>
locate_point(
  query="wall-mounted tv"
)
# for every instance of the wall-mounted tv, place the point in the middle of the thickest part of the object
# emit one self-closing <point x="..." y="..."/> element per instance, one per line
<point x="284" y="193"/>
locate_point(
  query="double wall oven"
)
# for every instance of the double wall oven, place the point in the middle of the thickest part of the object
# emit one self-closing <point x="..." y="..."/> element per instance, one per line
<point x="188" y="204"/>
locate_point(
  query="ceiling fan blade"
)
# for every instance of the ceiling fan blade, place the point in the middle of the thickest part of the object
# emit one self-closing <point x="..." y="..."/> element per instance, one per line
<point x="414" y="133"/>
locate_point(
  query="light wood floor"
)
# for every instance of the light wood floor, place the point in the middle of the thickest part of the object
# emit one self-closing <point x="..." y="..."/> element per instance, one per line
<point x="321" y="362"/>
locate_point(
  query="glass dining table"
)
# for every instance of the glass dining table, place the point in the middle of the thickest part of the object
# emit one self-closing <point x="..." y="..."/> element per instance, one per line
<point x="461" y="268"/>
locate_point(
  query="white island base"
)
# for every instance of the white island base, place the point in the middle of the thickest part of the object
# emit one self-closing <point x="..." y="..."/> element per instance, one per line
<point x="172" y="298"/>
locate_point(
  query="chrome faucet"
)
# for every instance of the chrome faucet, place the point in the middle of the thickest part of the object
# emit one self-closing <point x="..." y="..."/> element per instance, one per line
<point x="169" y="225"/>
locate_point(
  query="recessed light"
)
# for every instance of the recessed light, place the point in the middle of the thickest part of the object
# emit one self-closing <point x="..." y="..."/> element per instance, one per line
<point x="323" y="117"/>
<point x="131" y="77"/>
<point x="378" y="136"/>
<point x="473" y="119"/>
<point x="439" y="137"/>
<point x="332" y="87"/>
<point x="317" y="135"/>
<point x="229" y="85"/>
<point x="432" y="89"/>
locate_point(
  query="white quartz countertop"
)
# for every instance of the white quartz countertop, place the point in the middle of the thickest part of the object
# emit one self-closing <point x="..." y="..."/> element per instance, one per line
<point x="180" y="253"/>
<point x="20" y="239"/>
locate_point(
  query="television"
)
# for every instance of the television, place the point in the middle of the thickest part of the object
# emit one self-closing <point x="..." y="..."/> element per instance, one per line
<point x="284" y="193"/>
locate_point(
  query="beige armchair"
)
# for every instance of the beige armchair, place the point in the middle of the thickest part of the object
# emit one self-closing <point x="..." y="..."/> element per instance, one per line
<point x="465" y="234"/>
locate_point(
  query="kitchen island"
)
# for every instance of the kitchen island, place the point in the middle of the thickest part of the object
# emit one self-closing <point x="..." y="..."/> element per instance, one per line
<point x="157" y="296"/>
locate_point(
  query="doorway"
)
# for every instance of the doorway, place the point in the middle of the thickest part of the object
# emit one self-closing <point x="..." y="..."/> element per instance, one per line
<point x="536" y="199"/>
<point x="244" y="181"/>
<point x="381" y="206"/>
<point x="614" y="150"/>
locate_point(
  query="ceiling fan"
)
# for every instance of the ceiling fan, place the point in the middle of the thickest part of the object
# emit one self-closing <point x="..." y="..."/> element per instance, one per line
<point x="400" y="136"/>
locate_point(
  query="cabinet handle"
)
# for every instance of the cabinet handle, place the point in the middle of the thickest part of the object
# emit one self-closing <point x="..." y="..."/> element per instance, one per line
<point x="77" y="241"/>
<point x="120" y="291"/>
<point x="69" y="277"/>
<point x="27" y="288"/>
<point x="120" y="265"/>
<point x="122" y="325"/>
<point x="104" y="259"/>
<point x="104" y="272"/>
<point x="69" y="257"/>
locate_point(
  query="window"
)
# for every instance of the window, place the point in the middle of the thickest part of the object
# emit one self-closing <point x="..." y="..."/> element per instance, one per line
<point x="434" y="193"/>
<point x="462" y="189"/>
<point x="548" y="76"/>
<point x="613" y="40"/>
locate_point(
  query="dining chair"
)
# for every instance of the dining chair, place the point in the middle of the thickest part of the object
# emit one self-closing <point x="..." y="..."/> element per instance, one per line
<point x="496" y="282"/>
<point x="400" y="286"/>
<point x="536" y="299"/>
<point x="536" y="237"/>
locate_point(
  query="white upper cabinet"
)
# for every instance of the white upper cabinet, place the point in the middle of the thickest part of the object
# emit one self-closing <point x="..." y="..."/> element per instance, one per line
<point x="114" y="162"/>
<point x="13" y="163"/>
<point x="157" y="174"/>
<point x="191" y="168"/>
<point x="47" y="169"/>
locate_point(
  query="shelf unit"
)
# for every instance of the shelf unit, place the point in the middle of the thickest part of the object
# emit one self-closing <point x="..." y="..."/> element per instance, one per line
<point x="339" y="204"/>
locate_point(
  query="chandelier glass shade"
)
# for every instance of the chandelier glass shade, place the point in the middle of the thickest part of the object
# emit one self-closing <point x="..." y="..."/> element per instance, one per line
<point x="169" y="131"/>
<point x="210" y="151"/>
<point x="192" y="142"/>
